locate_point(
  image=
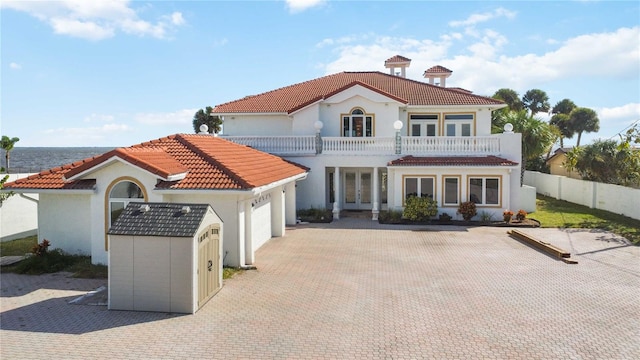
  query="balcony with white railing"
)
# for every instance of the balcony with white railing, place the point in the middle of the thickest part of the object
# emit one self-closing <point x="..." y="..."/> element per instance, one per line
<point x="405" y="145"/>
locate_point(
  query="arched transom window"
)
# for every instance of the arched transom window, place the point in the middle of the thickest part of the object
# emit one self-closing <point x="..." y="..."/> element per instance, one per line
<point x="357" y="124"/>
<point x="120" y="195"/>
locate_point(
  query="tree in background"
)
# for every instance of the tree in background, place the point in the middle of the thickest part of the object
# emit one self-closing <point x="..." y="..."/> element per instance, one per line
<point x="204" y="117"/>
<point x="7" y="144"/>
<point x="536" y="101"/>
<point x="510" y="97"/>
<point x="564" y="106"/>
<point x="561" y="119"/>
<point x="4" y="195"/>
<point x="537" y="135"/>
<point x="606" y="161"/>
<point x="584" y="120"/>
<point x="562" y="122"/>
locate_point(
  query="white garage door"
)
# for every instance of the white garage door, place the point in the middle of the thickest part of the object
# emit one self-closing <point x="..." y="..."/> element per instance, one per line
<point x="261" y="223"/>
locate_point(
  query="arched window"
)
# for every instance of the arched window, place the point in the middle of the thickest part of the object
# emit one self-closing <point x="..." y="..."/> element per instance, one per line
<point x="357" y="124"/>
<point x="120" y="195"/>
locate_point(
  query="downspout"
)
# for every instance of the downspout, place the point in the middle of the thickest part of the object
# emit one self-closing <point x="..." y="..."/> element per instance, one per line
<point x="22" y="195"/>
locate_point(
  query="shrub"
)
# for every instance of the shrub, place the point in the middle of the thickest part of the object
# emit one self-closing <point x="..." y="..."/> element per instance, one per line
<point x="507" y="215"/>
<point x="420" y="208"/>
<point x="40" y="249"/>
<point x="467" y="210"/>
<point x="486" y="217"/>
<point x="521" y="215"/>
<point x="315" y="215"/>
<point x="390" y="217"/>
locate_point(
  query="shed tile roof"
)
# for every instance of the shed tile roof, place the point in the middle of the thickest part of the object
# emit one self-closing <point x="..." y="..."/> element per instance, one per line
<point x="411" y="92"/>
<point x="162" y="219"/>
<point x="452" y="161"/>
<point x="210" y="162"/>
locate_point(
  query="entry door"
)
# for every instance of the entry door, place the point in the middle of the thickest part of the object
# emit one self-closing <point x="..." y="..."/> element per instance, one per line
<point x="208" y="264"/>
<point x="357" y="189"/>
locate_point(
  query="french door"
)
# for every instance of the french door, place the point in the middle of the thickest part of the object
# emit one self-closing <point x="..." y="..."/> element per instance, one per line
<point x="357" y="189"/>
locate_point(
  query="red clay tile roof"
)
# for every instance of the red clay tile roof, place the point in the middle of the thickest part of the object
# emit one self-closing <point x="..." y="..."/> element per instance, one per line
<point x="211" y="163"/>
<point x="438" y="69"/>
<point x="154" y="160"/>
<point x="294" y="97"/>
<point x="452" y="161"/>
<point x="396" y="59"/>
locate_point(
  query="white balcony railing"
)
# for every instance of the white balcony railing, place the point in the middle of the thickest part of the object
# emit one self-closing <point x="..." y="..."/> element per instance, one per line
<point x="419" y="146"/>
<point x="450" y="145"/>
<point x="281" y="145"/>
<point x="358" y="146"/>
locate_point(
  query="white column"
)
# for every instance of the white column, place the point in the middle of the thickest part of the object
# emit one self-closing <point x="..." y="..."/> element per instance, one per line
<point x="290" y="203"/>
<point x="277" y="212"/>
<point x="248" y="245"/>
<point x="336" y="193"/>
<point x="376" y="202"/>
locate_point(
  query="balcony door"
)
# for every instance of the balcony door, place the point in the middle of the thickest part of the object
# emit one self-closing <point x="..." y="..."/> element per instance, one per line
<point x="357" y="189"/>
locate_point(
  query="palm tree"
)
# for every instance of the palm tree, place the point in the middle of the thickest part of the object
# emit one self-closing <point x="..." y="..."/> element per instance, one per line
<point x="537" y="136"/>
<point x="563" y="123"/>
<point x="7" y="145"/>
<point x="536" y="101"/>
<point x="564" y="106"/>
<point x="584" y="120"/>
<point x="204" y="117"/>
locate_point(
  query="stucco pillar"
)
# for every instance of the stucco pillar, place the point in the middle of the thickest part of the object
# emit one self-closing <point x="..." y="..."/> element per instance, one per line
<point x="336" y="193"/>
<point x="290" y="203"/>
<point x="376" y="202"/>
<point x="248" y="245"/>
<point x="277" y="212"/>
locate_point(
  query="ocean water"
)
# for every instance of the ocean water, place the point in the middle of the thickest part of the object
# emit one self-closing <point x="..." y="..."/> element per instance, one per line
<point x="36" y="159"/>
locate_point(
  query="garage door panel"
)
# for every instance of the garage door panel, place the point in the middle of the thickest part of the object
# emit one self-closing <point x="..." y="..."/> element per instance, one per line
<point x="261" y="224"/>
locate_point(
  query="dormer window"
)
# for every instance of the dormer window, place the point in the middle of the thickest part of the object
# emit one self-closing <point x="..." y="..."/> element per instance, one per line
<point x="357" y="124"/>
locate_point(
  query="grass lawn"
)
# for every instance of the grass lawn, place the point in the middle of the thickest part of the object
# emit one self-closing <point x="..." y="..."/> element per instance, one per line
<point x="18" y="247"/>
<point x="554" y="213"/>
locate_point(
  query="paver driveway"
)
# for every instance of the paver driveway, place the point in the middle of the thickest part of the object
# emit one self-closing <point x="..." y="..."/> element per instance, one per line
<point x="356" y="289"/>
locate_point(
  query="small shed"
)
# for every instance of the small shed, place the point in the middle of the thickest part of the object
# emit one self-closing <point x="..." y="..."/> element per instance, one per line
<point x="164" y="257"/>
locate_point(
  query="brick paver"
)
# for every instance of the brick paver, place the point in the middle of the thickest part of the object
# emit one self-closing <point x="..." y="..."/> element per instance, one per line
<point x="356" y="289"/>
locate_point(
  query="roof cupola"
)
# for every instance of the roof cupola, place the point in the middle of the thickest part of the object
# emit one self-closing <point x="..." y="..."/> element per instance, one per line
<point x="437" y="72"/>
<point x="397" y="62"/>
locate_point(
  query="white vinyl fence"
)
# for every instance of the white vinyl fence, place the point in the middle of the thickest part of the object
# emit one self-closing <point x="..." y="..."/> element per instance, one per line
<point x="18" y="215"/>
<point x="613" y="198"/>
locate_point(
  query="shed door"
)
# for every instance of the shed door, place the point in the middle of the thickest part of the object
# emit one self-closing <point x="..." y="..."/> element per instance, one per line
<point x="208" y="263"/>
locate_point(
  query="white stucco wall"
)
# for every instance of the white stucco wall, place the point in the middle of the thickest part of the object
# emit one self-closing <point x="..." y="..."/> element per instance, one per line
<point x="613" y="198"/>
<point x="18" y="216"/>
<point x="105" y="177"/>
<point x="65" y="222"/>
<point x="398" y="173"/>
<point x="257" y="125"/>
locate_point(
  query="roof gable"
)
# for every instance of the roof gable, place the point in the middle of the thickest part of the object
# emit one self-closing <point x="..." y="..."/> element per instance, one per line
<point x="294" y="97"/>
<point x="153" y="160"/>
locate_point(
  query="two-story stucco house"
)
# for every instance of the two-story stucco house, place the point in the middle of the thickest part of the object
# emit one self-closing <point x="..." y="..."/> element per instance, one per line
<point x="372" y="139"/>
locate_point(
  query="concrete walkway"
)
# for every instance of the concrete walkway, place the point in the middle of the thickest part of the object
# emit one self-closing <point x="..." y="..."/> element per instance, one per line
<point x="355" y="289"/>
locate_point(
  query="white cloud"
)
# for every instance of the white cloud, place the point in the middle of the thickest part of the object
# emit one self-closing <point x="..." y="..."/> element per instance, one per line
<point x="97" y="19"/>
<point x="627" y="111"/>
<point x="85" y="135"/>
<point x="99" y="118"/>
<point x="485" y="67"/>
<point x="15" y="66"/>
<point x="475" y="19"/>
<point x="296" y="6"/>
<point x="180" y="117"/>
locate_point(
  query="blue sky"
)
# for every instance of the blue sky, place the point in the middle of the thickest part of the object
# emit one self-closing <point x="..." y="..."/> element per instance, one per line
<point x="117" y="73"/>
